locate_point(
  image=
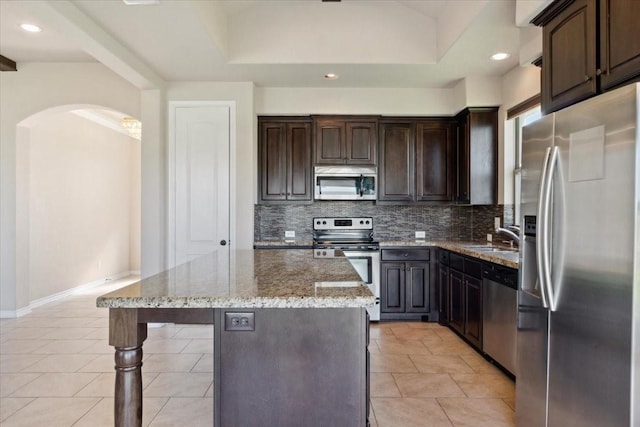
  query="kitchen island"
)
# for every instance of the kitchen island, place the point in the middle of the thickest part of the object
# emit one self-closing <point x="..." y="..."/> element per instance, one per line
<point x="290" y="336"/>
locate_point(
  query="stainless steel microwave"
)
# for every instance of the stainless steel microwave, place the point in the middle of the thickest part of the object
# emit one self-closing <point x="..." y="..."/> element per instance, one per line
<point x="345" y="182"/>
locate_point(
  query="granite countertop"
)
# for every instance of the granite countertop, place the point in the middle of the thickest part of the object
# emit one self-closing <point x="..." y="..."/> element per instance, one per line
<point x="497" y="254"/>
<point x="503" y="255"/>
<point x="281" y="278"/>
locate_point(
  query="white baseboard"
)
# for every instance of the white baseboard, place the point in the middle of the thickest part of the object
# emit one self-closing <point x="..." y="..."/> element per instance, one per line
<point x="10" y="314"/>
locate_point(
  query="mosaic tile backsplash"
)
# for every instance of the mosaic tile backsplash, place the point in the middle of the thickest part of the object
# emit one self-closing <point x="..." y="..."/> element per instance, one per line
<point x="389" y="222"/>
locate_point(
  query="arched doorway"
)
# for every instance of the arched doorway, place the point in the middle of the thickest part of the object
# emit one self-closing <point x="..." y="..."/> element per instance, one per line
<point x="77" y="201"/>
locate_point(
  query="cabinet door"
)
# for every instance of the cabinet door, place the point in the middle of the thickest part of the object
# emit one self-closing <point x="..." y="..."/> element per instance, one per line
<point x="273" y="153"/>
<point x="417" y="287"/>
<point x="435" y="162"/>
<point x="443" y="294"/>
<point x="299" y="180"/>
<point x="569" y="56"/>
<point x="396" y="173"/>
<point x="456" y="300"/>
<point x="361" y="143"/>
<point x="463" y="160"/>
<point x="392" y="287"/>
<point x="473" y="310"/>
<point x="619" y="41"/>
<point x="330" y="142"/>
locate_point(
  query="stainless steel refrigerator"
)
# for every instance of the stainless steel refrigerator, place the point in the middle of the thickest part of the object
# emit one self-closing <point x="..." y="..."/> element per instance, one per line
<point x="579" y="285"/>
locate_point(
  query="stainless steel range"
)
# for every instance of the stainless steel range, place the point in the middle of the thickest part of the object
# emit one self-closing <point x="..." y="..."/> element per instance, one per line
<point x="354" y="238"/>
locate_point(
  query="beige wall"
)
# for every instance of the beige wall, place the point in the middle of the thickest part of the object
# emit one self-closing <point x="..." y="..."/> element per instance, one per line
<point x="34" y="88"/>
<point x="80" y="203"/>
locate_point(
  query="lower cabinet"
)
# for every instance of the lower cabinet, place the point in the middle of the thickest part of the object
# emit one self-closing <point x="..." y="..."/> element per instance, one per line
<point x="406" y="287"/>
<point x="460" y="289"/>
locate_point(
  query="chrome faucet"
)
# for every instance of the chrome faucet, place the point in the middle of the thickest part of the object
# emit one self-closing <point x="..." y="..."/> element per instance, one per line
<point x="509" y="232"/>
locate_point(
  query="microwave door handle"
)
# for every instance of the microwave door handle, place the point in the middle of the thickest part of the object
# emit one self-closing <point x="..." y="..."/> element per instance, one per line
<point x="361" y="185"/>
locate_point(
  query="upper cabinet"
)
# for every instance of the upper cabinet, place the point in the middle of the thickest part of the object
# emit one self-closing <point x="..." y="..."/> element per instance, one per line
<point x="396" y="169"/>
<point x="619" y="42"/>
<point x="350" y="141"/>
<point x="284" y="152"/>
<point x="589" y="46"/>
<point x="478" y="156"/>
<point x="435" y="161"/>
<point x="417" y="160"/>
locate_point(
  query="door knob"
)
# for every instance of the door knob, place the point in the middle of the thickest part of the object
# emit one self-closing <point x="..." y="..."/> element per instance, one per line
<point x="223" y="242"/>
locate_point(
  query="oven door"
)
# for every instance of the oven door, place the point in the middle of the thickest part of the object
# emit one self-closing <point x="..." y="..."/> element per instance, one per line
<point x="367" y="264"/>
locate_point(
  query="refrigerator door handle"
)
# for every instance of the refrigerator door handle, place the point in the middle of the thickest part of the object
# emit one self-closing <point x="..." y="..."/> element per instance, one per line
<point x="540" y="256"/>
<point x="544" y="241"/>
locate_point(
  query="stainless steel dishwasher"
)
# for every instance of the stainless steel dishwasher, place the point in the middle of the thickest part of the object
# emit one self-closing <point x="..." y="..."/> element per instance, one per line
<point x="499" y="314"/>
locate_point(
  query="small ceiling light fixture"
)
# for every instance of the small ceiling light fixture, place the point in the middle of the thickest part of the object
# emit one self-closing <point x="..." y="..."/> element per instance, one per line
<point x="31" y="28"/>
<point x="500" y="56"/>
<point x="133" y="127"/>
<point x="331" y="76"/>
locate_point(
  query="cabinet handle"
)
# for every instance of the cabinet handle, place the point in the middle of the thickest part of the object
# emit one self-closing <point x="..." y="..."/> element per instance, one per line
<point x="587" y="78"/>
<point x="405" y="255"/>
<point x="600" y="72"/>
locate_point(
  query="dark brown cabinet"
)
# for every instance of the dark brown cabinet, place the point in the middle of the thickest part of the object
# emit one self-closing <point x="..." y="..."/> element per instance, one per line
<point x="284" y="152"/>
<point x="619" y="42"/>
<point x="396" y="174"/>
<point x="460" y="284"/>
<point x="405" y="284"/>
<point x="340" y="141"/>
<point x="589" y="46"/>
<point x="417" y="161"/>
<point x="477" y="156"/>
<point x="435" y="161"/>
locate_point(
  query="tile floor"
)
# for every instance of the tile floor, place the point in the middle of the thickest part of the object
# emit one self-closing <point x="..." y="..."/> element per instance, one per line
<point x="56" y="369"/>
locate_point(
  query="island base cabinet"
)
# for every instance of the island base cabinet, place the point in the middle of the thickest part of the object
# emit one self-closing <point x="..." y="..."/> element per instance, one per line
<point x="299" y="366"/>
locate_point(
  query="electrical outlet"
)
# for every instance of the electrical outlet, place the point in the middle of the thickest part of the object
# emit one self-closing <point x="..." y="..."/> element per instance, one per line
<point x="489" y="238"/>
<point x="496" y="222"/>
<point x="289" y="234"/>
<point x="239" y="321"/>
<point x="420" y="234"/>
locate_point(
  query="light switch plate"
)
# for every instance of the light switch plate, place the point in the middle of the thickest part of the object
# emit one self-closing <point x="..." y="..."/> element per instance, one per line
<point x="489" y="237"/>
<point x="420" y="234"/>
<point x="290" y="234"/>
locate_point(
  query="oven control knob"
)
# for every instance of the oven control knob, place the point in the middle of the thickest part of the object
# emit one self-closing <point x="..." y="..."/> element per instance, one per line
<point x="324" y="222"/>
<point x="318" y="222"/>
<point x="367" y="221"/>
<point x="324" y="253"/>
<point x="361" y="222"/>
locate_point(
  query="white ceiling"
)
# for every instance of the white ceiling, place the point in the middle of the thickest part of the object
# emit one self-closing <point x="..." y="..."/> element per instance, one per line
<point x="274" y="43"/>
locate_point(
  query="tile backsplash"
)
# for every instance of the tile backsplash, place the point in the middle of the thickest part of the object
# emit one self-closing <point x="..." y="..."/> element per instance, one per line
<point x="390" y="222"/>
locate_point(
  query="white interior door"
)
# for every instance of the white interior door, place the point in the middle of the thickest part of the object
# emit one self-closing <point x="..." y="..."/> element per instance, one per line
<point x="201" y="171"/>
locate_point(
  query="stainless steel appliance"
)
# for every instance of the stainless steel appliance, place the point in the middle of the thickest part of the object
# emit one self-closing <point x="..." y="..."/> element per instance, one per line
<point x="579" y="284"/>
<point x="345" y="183"/>
<point x="499" y="314"/>
<point x="354" y="238"/>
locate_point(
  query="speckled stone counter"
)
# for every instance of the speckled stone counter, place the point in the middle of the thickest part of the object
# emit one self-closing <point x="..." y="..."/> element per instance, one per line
<point x="503" y="255"/>
<point x="253" y="279"/>
<point x="282" y="321"/>
<point x="283" y="244"/>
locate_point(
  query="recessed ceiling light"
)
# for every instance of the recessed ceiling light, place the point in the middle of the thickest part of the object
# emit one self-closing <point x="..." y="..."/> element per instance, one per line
<point x="331" y="76"/>
<point x="499" y="56"/>
<point x="32" y="28"/>
<point x="140" y="2"/>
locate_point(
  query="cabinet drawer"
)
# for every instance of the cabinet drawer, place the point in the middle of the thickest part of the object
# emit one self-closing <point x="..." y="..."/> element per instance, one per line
<point x="456" y="262"/>
<point x="443" y="257"/>
<point x="405" y="255"/>
<point x="473" y="268"/>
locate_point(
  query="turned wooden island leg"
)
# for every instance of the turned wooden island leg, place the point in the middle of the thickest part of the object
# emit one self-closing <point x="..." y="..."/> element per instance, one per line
<point x="126" y="334"/>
